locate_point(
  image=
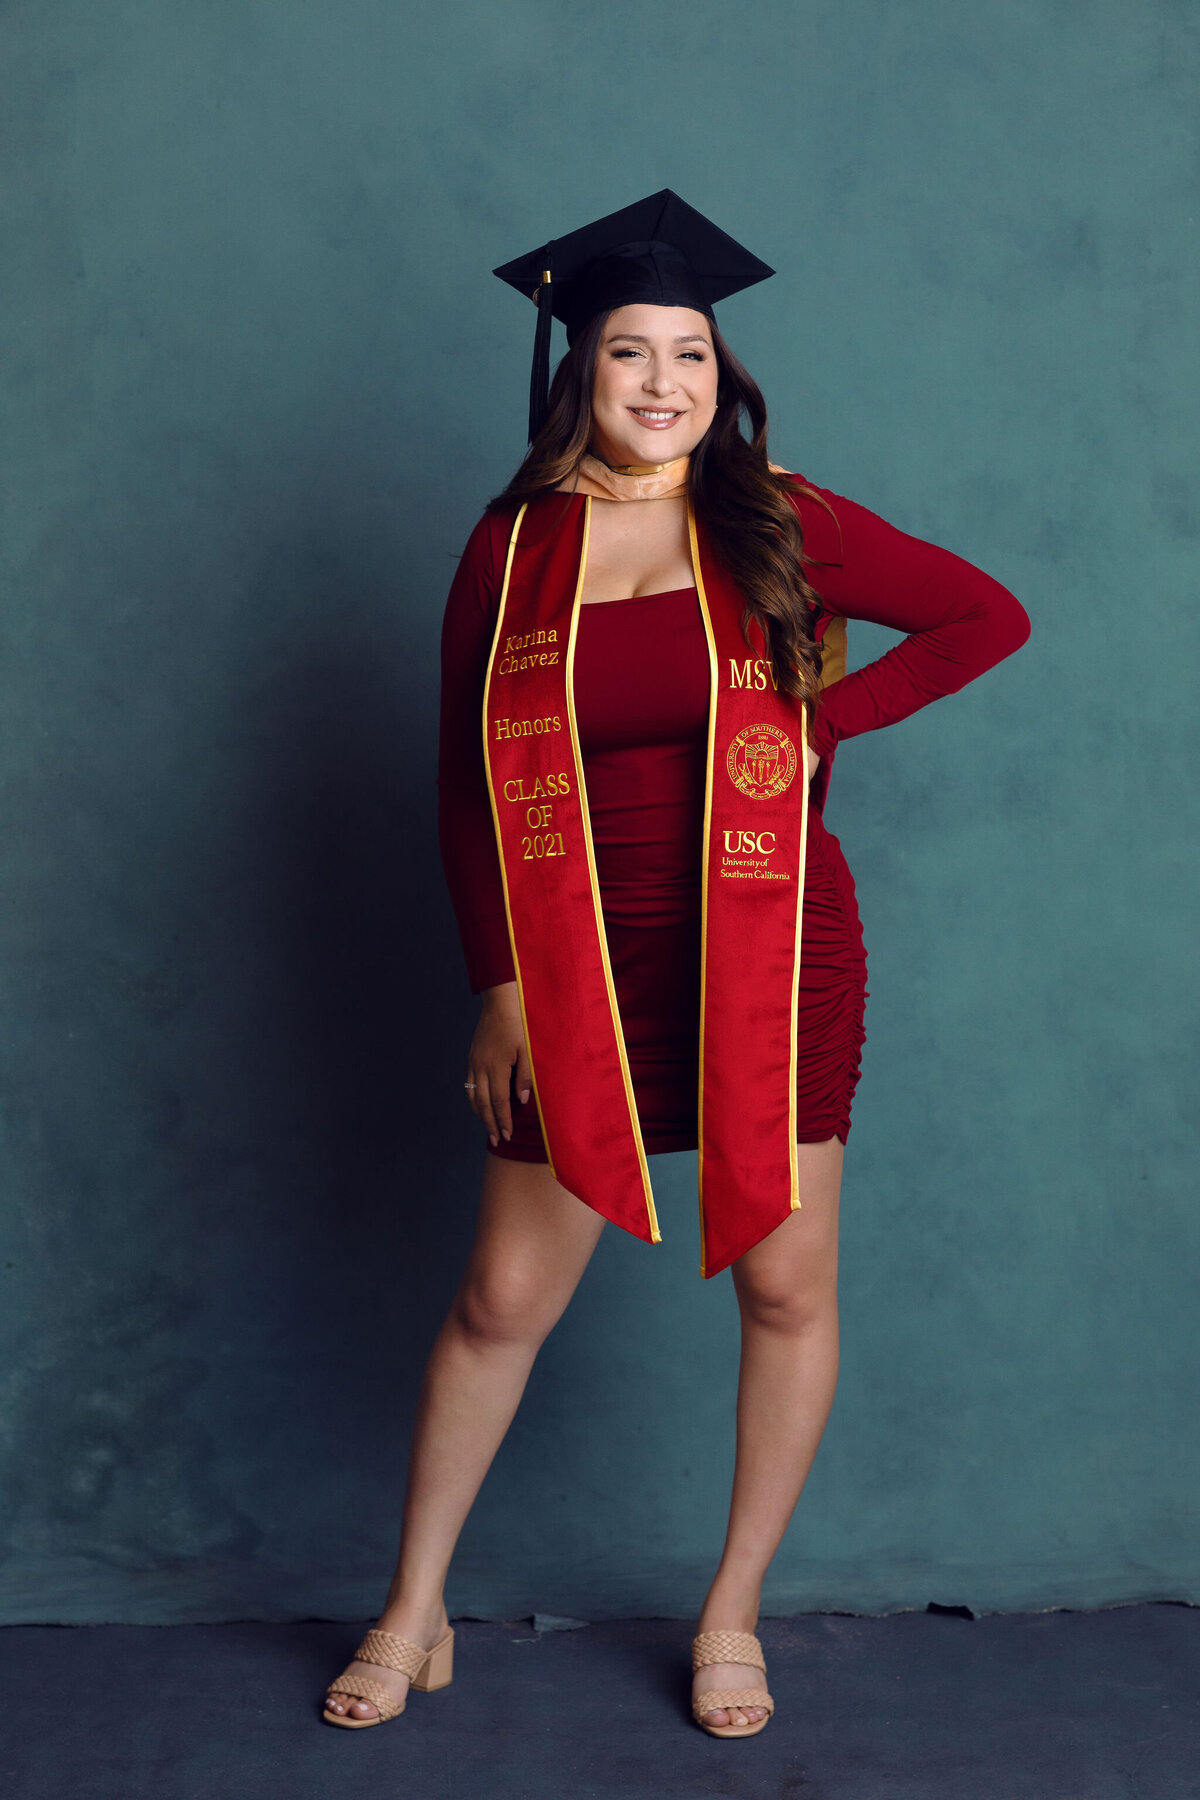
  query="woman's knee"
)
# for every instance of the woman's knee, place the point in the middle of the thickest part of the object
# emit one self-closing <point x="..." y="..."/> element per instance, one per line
<point x="503" y="1306"/>
<point x="789" y="1306"/>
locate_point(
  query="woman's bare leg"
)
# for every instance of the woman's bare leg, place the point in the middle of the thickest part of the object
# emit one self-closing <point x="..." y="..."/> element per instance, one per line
<point x="787" y="1293"/>
<point x="532" y="1243"/>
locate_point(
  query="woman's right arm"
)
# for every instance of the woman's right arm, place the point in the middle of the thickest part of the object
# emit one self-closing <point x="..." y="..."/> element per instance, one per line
<point x="466" y="834"/>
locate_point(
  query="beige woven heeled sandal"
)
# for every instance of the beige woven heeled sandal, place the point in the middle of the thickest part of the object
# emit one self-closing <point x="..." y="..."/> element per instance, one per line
<point x="729" y="1647"/>
<point x="426" y="1670"/>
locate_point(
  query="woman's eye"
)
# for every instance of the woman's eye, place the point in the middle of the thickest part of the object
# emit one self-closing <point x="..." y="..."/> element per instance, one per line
<point x="692" y="355"/>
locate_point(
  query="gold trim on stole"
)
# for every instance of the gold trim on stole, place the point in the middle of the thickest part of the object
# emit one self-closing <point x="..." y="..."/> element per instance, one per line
<point x="795" y="1046"/>
<point x="714" y="678"/>
<point x="487" y="769"/>
<point x="594" y="880"/>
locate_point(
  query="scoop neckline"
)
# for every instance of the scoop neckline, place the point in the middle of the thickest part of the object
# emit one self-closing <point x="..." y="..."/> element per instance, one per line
<point x="630" y="599"/>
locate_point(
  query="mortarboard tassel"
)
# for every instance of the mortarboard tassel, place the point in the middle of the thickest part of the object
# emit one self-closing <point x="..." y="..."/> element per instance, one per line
<point x="539" y="376"/>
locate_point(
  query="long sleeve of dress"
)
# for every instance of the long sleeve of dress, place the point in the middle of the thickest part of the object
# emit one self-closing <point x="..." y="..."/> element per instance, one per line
<point x="960" y="622"/>
<point x="465" y="832"/>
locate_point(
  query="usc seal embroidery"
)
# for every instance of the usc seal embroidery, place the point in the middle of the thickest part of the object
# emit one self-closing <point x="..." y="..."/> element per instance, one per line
<point x="761" y="761"/>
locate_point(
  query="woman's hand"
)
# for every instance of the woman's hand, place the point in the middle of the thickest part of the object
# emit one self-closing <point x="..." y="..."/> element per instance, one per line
<point x="498" y="1044"/>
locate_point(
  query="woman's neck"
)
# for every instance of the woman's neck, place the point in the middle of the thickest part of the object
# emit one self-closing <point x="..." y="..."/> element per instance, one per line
<point x="631" y="481"/>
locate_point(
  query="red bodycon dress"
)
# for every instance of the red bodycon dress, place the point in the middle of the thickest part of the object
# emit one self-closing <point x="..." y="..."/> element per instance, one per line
<point x="643" y="724"/>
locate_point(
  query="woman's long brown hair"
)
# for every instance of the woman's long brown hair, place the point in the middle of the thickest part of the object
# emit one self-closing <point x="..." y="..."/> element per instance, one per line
<point x="753" y="527"/>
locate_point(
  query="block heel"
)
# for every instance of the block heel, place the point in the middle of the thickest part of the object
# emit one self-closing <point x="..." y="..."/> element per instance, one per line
<point x="437" y="1671"/>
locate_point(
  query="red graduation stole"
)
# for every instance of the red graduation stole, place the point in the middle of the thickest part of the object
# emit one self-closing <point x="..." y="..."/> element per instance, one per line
<point x="755" y="825"/>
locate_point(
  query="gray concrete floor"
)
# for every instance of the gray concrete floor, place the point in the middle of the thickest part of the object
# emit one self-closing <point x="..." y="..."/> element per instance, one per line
<point x="1043" y="1706"/>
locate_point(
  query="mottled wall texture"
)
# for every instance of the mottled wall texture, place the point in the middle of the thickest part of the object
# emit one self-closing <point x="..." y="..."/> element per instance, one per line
<point x="257" y="383"/>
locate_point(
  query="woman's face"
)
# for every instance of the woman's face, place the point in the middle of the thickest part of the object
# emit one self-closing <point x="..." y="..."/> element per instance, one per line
<point x="654" y="392"/>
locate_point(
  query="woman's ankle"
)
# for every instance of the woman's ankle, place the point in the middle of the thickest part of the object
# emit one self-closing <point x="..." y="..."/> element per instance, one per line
<point x="730" y="1608"/>
<point x="410" y="1615"/>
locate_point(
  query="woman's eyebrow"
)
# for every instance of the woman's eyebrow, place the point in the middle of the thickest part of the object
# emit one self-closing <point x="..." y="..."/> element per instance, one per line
<point x="632" y="337"/>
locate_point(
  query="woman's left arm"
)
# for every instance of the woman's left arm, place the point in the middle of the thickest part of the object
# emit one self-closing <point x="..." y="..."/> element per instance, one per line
<point x="960" y="621"/>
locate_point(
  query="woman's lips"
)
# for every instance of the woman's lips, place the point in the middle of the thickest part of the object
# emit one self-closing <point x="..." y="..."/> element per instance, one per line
<point x="660" y="419"/>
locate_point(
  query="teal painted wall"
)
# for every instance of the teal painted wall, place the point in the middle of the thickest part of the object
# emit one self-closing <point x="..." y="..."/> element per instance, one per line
<point x="257" y="382"/>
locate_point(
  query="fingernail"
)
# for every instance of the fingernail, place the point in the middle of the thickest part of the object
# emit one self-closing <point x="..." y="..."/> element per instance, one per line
<point x="507" y="1135"/>
<point x="492" y="1138"/>
<point x="524" y="1096"/>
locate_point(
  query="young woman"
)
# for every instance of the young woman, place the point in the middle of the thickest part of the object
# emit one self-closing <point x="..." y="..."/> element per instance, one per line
<point x="643" y="688"/>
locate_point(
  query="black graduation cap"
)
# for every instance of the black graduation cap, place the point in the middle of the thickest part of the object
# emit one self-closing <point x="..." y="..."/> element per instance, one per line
<point x="659" y="250"/>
